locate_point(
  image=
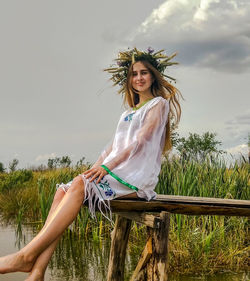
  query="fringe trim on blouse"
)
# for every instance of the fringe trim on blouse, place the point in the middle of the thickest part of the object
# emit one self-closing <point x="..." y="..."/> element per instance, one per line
<point x="93" y="197"/>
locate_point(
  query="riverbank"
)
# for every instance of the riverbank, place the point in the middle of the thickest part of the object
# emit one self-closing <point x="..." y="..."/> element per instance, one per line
<point x="197" y="244"/>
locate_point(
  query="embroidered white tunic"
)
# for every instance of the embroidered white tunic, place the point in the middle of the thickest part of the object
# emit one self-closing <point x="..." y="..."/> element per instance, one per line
<point x="133" y="160"/>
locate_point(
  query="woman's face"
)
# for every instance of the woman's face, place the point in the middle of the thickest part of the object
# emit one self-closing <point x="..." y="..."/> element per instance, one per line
<point x="141" y="78"/>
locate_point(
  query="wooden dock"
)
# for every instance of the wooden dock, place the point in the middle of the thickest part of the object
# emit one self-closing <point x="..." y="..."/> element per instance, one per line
<point x="155" y="214"/>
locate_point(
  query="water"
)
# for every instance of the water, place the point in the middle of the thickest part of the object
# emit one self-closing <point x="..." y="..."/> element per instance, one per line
<point x="84" y="260"/>
<point x="10" y="243"/>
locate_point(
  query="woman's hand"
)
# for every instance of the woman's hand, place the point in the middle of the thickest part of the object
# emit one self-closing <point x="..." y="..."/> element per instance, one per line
<point x="95" y="172"/>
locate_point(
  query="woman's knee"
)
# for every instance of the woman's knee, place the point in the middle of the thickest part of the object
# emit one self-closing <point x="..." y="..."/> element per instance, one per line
<point x="59" y="195"/>
<point x="77" y="185"/>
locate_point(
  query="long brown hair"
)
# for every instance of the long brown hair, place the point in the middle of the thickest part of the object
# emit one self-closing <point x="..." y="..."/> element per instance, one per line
<point x="160" y="87"/>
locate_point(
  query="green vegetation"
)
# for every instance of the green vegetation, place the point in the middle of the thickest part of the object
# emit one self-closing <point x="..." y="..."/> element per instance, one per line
<point x="196" y="147"/>
<point x="63" y="162"/>
<point x="208" y="243"/>
<point x="15" y="179"/>
<point x="13" y="165"/>
<point x="197" y="243"/>
<point x="2" y="169"/>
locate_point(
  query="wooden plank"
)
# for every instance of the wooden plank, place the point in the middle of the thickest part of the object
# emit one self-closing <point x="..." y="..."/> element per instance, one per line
<point x="177" y="208"/>
<point x="118" y="249"/>
<point x="205" y="200"/>
<point x="145" y="256"/>
<point x="151" y="220"/>
<point x="184" y="205"/>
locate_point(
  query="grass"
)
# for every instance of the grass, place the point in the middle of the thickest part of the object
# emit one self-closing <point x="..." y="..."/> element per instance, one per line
<point x="203" y="244"/>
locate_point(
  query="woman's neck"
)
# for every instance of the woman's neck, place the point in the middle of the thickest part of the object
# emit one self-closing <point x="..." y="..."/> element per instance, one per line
<point x="144" y="96"/>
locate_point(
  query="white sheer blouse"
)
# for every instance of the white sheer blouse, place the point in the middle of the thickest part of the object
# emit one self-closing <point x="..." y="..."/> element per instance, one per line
<point x="134" y="156"/>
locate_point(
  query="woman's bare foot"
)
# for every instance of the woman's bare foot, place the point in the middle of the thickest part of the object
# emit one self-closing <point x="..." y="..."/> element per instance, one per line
<point x="15" y="262"/>
<point x="35" y="275"/>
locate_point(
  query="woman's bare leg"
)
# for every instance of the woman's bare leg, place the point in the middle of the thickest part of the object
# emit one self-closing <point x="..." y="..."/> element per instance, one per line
<point x="63" y="216"/>
<point x="38" y="270"/>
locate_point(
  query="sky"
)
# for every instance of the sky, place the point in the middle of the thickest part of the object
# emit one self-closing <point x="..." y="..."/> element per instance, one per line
<point x="55" y="99"/>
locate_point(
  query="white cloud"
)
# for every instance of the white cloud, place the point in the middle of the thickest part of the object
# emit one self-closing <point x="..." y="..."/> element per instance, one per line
<point x="43" y="157"/>
<point x="207" y="33"/>
<point x="238" y="149"/>
<point x="201" y="12"/>
<point x="167" y="12"/>
<point x="235" y="153"/>
<point x="162" y="13"/>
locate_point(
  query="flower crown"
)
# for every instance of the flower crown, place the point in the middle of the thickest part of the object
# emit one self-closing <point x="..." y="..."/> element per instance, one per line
<point x="159" y="60"/>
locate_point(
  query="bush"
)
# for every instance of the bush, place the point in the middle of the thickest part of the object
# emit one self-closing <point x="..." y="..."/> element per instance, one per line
<point x="15" y="179"/>
<point x="2" y="169"/>
<point x="13" y="164"/>
<point x="198" y="147"/>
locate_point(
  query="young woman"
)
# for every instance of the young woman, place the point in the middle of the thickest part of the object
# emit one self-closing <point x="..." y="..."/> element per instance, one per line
<point x="128" y="167"/>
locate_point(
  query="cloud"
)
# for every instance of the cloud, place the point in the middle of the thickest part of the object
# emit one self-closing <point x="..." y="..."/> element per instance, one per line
<point x="201" y="12"/>
<point x="43" y="157"/>
<point x="160" y="15"/>
<point x="206" y="33"/>
<point x="239" y="149"/>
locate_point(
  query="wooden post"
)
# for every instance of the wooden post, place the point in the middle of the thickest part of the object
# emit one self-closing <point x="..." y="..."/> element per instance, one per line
<point x="118" y="249"/>
<point x="158" y="264"/>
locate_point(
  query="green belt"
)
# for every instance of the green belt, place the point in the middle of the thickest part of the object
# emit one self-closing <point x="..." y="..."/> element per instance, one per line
<point x="119" y="179"/>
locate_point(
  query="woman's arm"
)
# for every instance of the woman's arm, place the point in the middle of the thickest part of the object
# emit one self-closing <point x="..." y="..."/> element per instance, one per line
<point x="155" y="118"/>
<point x="96" y="170"/>
<point x="103" y="155"/>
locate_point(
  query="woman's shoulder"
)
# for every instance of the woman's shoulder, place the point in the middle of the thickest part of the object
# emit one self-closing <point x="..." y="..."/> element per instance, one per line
<point x="161" y="99"/>
<point x="158" y="100"/>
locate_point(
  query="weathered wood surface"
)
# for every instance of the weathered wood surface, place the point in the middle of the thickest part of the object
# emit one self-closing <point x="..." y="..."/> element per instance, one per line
<point x="157" y="266"/>
<point x="153" y="264"/>
<point x="184" y="205"/>
<point x="118" y="249"/>
<point x="149" y="219"/>
<point x="145" y="256"/>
